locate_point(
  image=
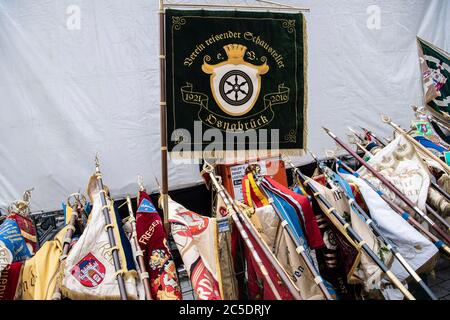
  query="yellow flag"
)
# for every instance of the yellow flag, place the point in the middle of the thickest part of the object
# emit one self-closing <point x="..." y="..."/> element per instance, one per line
<point x="40" y="273"/>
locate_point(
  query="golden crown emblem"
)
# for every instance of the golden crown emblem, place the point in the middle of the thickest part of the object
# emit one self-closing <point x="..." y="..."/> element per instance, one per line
<point x="235" y="51"/>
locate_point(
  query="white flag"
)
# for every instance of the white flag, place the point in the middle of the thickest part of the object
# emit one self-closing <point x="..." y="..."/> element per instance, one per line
<point x="89" y="271"/>
<point x="399" y="163"/>
<point x="412" y="245"/>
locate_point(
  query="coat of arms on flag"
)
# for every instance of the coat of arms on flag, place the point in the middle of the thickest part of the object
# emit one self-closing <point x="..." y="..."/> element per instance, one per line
<point x="89" y="271"/>
<point x="235" y="83"/>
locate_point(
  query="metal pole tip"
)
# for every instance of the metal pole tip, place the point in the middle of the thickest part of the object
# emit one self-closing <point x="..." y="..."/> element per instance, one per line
<point x="385" y="118"/>
<point x="97" y="161"/>
<point x="313" y="155"/>
<point x="329" y="153"/>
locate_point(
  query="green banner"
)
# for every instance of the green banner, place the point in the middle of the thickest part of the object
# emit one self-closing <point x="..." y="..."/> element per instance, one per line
<point x="437" y="75"/>
<point x="236" y="71"/>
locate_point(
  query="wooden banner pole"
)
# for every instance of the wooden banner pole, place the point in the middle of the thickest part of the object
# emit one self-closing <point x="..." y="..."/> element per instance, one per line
<point x="163" y="116"/>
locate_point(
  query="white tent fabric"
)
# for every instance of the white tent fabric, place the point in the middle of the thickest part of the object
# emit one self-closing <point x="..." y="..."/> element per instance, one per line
<point x="66" y="94"/>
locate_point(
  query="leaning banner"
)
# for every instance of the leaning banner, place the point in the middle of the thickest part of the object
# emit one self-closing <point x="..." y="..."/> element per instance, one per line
<point x="435" y="66"/>
<point x="235" y="81"/>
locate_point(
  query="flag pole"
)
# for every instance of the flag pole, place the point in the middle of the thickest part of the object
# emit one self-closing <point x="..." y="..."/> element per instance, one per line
<point x="354" y="235"/>
<point x="143" y="274"/>
<point x="397" y="128"/>
<point x="163" y="116"/>
<point x="236" y="6"/>
<point x="390" y="186"/>
<point x="299" y="247"/>
<point x="77" y="211"/>
<point x="376" y="230"/>
<point x="234" y="212"/>
<point x="405" y="215"/>
<point x="108" y="225"/>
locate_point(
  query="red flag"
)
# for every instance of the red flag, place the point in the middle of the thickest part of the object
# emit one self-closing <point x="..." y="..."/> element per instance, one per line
<point x="153" y="242"/>
<point x="9" y="279"/>
<point x="258" y="289"/>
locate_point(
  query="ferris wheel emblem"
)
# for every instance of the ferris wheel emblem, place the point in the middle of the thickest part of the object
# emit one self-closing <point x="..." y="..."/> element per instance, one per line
<point x="235" y="83"/>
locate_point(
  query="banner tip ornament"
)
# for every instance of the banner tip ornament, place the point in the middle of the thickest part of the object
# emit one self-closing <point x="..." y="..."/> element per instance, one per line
<point x="331" y="134"/>
<point x="22" y="207"/>
<point x="140" y="181"/>
<point x="385" y="118"/>
<point x="313" y="155"/>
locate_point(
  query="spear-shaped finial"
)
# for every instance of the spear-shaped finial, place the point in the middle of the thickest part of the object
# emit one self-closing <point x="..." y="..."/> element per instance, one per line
<point x="97" y="163"/>
<point x="140" y="181"/>
<point x="356" y="134"/>
<point x="157" y="183"/>
<point x="313" y="155"/>
<point x="328" y="131"/>
<point x="287" y="159"/>
<point x="351" y="130"/>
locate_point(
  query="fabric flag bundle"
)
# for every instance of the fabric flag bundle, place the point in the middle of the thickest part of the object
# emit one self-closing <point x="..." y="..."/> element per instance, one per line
<point x="413" y="246"/>
<point x="340" y="256"/>
<point x="88" y="271"/>
<point x="257" y="287"/>
<point x="250" y="282"/>
<point x="41" y="275"/>
<point x="17" y="240"/>
<point x="296" y="210"/>
<point x="197" y="241"/>
<point x="157" y="256"/>
<point x="364" y="271"/>
<point x="401" y="165"/>
<point x="408" y="168"/>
